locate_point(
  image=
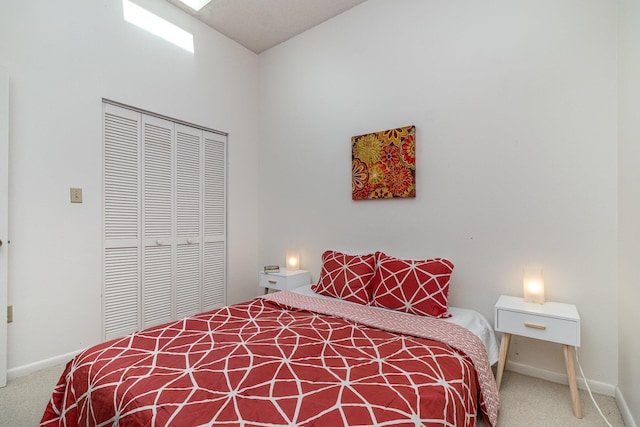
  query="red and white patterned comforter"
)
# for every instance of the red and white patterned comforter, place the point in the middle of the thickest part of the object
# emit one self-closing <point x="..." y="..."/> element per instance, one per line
<point x="281" y="360"/>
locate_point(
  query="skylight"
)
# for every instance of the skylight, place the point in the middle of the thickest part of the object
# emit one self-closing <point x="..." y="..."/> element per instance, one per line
<point x="196" y="4"/>
<point x="146" y="20"/>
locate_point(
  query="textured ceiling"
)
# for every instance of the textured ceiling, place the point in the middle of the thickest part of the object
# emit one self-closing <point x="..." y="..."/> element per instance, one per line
<point x="261" y="24"/>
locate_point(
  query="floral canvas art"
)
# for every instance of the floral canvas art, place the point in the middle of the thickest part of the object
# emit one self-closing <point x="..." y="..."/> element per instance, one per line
<point x="383" y="164"/>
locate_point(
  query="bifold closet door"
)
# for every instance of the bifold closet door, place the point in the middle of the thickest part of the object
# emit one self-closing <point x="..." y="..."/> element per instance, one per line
<point x="121" y="288"/>
<point x="189" y="166"/>
<point x="158" y="263"/>
<point x="164" y="220"/>
<point x="215" y="220"/>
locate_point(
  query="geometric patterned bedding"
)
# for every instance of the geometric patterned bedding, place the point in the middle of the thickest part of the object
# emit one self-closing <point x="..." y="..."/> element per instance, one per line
<point x="272" y="362"/>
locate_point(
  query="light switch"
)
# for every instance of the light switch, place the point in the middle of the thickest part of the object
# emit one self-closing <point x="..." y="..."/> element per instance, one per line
<point x="76" y="195"/>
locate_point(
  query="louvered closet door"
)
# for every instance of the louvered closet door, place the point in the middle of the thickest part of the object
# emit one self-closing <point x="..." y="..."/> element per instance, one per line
<point x="164" y="218"/>
<point x="157" y="221"/>
<point x="215" y="219"/>
<point x="188" y="221"/>
<point x="121" y="221"/>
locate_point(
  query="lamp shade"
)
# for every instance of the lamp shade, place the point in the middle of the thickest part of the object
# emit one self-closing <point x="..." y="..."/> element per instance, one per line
<point x="293" y="261"/>
<point x="533" y="284"/>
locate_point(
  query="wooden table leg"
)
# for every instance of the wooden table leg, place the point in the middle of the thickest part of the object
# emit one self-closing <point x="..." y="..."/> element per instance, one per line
<point x="571" y="374"/>
<point x="502" y="359"/>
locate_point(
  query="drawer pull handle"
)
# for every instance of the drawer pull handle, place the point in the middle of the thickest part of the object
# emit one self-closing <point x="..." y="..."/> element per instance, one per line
<point x="535" y="326"/>
<point x="273" y="282"/>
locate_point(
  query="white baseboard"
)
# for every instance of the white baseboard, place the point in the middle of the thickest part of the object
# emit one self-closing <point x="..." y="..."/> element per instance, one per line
<point x="561" y="378"/>
<point x="23" y="370"/>
<point x="624" y="410"/>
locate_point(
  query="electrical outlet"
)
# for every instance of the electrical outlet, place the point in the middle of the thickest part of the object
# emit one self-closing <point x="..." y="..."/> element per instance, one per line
<point x="76" y="195"/>
<point x="9" y="314"/>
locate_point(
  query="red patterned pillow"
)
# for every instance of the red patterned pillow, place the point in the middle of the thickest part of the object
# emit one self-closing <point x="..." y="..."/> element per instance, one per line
<point x="347" y="277"/>
<point x="413" y="286"/>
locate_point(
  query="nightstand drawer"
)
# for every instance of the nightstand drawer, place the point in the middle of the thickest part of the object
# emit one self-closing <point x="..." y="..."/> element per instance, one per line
<point x="272" y="281"/>
<point x="284" y="280"/>
<point x="563" y="331"/>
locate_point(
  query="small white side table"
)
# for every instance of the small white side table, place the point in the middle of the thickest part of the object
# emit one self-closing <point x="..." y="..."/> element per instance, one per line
<point x="551" y="321"/>
<point x="284" y="280"/>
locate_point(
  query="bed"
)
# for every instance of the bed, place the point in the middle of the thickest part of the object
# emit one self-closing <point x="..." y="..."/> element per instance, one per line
<point x="287" y="359"/>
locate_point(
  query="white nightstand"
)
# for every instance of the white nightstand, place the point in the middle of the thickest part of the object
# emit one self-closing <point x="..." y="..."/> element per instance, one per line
<point x="551" y="321"/>
<point x="284" y="280"/>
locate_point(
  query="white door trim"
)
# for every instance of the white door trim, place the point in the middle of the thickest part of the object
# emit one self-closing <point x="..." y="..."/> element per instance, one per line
<point x="4" y="219"/>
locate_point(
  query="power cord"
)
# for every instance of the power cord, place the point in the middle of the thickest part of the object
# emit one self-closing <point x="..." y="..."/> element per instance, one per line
<point x="589" y="389"/>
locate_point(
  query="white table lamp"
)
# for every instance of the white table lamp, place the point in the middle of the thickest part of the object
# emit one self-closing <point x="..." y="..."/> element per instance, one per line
<point x="293" y="261"/>
<point x="533" y="282"/>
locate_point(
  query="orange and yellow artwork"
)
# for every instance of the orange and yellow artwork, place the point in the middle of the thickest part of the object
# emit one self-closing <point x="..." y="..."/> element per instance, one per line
<point x="383" y="164"/>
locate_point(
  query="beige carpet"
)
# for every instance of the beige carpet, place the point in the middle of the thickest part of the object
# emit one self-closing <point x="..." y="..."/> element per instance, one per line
<point x="526" y="402"/>
<point x="23" y="400"/>
<point x="531" y="402"/>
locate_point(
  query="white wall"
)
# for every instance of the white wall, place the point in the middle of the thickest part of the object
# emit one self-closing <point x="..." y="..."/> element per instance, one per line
<point x="63" y="57"/>
<point x="515" y="109"/>
<point x="629" y="203"/>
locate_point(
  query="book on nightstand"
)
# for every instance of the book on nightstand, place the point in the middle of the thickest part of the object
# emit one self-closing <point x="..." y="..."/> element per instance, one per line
<point x="272" y="269"/>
